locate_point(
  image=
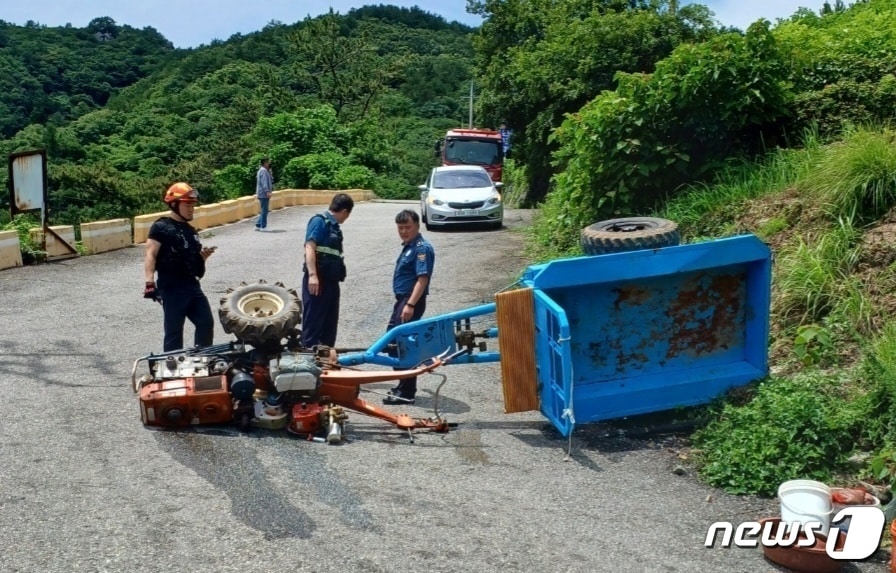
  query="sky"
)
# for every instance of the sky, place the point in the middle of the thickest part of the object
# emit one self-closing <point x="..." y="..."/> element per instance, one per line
<point x="190" y="23"/>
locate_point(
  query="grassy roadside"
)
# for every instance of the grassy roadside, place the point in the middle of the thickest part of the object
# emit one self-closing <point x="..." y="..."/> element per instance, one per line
<point x="828" y="411"/>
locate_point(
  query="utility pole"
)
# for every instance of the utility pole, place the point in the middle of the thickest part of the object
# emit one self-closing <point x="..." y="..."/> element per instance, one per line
<point x="471" y="104"/>
<point x="469" y="99"/>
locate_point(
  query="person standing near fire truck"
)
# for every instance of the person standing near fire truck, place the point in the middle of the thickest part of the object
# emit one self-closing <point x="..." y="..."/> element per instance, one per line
<point x="175" y="254"/>
<point x="506" y="134"/>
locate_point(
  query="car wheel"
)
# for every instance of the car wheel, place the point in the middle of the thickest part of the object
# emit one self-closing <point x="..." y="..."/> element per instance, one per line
<point x="629" y="234"/>
<point x="260" y="313"/>
<point x="496" y="225"/>
<point x="429" y="227"/>
<point x="423" y="213"/>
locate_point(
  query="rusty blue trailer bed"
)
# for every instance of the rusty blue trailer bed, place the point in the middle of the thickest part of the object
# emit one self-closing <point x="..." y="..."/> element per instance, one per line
<point x="650" y="330"/>
<point x="619" y="334"/>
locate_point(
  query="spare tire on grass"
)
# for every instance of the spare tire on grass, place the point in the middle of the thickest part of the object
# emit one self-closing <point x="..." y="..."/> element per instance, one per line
<point x="629" y="234"/>
<point x="260" y="313"/>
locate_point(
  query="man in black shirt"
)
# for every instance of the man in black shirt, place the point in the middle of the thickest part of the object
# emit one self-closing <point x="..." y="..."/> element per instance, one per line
<point x="173" y="251"/>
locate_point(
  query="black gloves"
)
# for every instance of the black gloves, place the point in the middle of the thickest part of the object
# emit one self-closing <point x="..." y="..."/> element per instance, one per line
<point x="150" y="292"/>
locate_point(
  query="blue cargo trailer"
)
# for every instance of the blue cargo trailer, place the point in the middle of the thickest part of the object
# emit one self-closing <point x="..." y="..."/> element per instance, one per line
<point x="593" y="338"/>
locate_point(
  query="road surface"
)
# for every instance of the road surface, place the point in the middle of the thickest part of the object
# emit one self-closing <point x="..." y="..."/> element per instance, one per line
<point x="84" y="487"/>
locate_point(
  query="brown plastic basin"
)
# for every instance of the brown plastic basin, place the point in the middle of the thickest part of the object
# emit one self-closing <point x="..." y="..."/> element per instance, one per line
<point x="802" y="559"/>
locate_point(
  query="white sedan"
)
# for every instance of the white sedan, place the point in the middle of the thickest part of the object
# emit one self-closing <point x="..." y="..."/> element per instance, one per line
<point x="461" y="194"/>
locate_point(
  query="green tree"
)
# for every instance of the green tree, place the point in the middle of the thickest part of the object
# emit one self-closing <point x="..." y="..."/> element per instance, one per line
<point x="633" y="146"/>
<point x="345" y="71"/>
<point x="539" y="60"/>
<point x="842" y="66"/>
<point x="124" y="100"/>
<point x="58" y="74"/>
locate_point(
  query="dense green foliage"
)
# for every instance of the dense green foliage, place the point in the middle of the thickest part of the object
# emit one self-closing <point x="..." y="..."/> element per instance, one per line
<point x="541" y="60"/>
<point x="337" y="101"/>
<point x="57" y="74"/>
<point x="703" y="104"/>
<point x="793" y="428"/>
<point x="843" y="65"/>
<point x="731" y="96"/>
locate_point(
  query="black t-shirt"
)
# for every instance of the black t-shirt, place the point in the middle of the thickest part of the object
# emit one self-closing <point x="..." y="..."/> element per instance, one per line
<point x="179" y="262"/>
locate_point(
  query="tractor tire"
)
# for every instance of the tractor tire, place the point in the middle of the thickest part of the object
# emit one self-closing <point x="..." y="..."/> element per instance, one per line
<point x="629" y="234"/>
<point x="260" y="313"/>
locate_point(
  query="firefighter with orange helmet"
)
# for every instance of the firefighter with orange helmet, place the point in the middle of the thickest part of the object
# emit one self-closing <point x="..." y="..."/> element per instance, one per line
<point x="173" y="265"/>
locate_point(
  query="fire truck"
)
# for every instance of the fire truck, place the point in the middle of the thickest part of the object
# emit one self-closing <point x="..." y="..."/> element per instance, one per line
<point x="473" y="147"/>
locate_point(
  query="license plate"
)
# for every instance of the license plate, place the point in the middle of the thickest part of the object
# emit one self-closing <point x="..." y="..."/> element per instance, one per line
<point x="467" y="213"/>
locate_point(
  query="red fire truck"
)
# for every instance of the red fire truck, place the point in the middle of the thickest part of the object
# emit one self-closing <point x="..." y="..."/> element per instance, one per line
<point x="473" y="147"/>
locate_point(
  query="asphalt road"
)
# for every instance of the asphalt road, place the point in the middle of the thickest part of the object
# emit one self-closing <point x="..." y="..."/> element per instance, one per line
<point x="84" y="487"/>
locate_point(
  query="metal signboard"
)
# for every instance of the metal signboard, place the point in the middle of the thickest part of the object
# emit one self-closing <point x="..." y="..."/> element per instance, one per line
<point x="27" y="181"/>
<point x="28" y="192"/>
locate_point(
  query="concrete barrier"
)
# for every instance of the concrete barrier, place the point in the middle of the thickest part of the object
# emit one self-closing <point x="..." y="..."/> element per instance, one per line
<point x="208" y="216"/>
<point x="10" y="250"/>
<point x="54" y="247"/>
<point x="360" y="194"/>
<point x="248" y="206"/>
<point x="142" y="223"/>
<point x="102" y="236"/>
<point x="278" y="200"/>
<point x="202" y="216"/>
<point x="289" y="197"/>
<point x="230" y="211"/>
<point x="314" y="197"/>
<point x="216" y="215"/>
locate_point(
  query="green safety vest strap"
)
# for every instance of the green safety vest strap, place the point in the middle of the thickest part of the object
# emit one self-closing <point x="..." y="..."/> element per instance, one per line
<point x="328" y="251"/>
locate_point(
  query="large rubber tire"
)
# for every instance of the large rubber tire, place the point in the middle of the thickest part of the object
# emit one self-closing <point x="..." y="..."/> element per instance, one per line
<point x="260" y="313"/>
<point x="629" y="234"/>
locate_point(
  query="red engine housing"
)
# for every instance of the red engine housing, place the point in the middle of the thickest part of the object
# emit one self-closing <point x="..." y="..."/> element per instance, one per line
<point x="306" y="418"/>
<point x="185" y="402"/>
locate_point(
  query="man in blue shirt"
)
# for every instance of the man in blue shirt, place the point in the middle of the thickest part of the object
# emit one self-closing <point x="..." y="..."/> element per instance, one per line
<point x="410" y="284"/>
<point x="264" y="187"/>
<point x="324" y="269"/>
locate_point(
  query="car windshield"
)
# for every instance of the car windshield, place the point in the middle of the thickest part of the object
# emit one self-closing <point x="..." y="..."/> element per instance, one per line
<point x="473" y="152"/>
<point x="461" y="179"/>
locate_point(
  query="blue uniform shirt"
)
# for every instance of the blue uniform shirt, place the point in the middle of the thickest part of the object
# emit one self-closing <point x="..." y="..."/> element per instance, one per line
<point x="317" y="230"/>
<point x="325" y="232"/>
<point x="417" y="258"/>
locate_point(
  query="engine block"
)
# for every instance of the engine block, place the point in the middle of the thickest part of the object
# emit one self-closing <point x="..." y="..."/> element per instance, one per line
<point x="187" y="366"/>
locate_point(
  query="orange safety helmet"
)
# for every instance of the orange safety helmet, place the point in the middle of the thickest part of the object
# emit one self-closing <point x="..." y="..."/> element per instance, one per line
<point x="181" y="192"/>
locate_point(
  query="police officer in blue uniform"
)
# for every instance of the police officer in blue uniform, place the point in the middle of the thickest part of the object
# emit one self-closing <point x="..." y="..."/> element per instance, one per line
<point x="324" y="269"/>
<point x="410" y="284"/>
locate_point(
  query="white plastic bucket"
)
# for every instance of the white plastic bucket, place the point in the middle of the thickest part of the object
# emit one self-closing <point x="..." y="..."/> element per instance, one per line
<point x="804" y="500"/>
